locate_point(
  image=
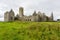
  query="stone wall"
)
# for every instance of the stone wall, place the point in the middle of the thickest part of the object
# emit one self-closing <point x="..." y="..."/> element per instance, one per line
<point x="38" y="17"/>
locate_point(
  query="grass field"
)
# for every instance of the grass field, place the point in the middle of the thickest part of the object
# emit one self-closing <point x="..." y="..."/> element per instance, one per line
<point x="29" y="30"/>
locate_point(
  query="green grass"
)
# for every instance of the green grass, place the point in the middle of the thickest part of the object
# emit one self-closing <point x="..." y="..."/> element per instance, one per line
<point x="29" y="30"/>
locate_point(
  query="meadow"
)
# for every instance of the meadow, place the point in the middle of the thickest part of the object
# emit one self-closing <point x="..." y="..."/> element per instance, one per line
<point x="29" y="30"/>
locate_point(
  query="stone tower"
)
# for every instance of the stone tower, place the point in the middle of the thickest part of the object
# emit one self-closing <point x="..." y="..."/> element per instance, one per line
<point x="34" y="14"/>
<point x="40" y="15"/>
<point x="44" y="17"/>
<point x="6" y="16"/>
<point x="11" y="15"/>
<point x="34" y="18"/>
<point x="21" y="12"/>
<point x="52" y="16"/>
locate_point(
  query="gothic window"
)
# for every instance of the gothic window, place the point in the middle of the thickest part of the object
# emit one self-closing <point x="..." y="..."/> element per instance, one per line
<point x="26" y="19"/>
<point x="11" y="18"/>
<point x="30" y="19"/>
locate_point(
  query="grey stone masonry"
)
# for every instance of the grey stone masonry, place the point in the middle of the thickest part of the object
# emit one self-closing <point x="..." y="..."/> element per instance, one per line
<point x="37" y="17"/>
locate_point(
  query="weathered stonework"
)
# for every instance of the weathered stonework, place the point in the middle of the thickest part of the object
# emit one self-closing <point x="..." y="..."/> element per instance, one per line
<point x="37" y="17"/>
<point x="9" y="16"/>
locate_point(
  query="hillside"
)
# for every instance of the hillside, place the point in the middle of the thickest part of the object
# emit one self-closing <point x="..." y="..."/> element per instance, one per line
<point x="29" y="30"/>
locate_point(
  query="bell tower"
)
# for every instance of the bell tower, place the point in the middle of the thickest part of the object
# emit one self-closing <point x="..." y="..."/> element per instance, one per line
<point x="21" y="12"/>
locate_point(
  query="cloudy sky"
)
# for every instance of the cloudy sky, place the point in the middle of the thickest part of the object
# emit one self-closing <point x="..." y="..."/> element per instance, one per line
<point x="46" y="6"/>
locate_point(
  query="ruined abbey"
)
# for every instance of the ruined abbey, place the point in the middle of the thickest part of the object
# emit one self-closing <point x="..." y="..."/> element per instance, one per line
<point x="37" y="17"/>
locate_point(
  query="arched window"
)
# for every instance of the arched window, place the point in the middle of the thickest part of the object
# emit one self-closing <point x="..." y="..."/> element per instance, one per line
<point x="30" y="19"/>
<point x="25" y="19"/>
<point x="11" y="18"/>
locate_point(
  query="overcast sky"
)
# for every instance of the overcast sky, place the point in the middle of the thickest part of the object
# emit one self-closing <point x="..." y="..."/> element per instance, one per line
<point x="46" y="6"/>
